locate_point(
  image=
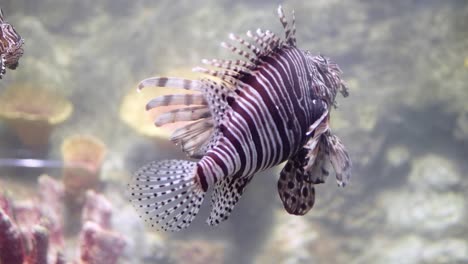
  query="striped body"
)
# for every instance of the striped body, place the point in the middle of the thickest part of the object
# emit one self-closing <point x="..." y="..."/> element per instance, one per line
<point x="268" y="121"/>
<point x="251" y="114"/>
<point x="10" y="46"/>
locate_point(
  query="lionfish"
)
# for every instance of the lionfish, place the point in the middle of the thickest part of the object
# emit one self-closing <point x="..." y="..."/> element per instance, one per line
<point x="269" y="107"/>
<point x="10" y="46"/>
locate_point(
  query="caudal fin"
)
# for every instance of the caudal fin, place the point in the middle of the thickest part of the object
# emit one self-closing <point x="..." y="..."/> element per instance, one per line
<point x="167" y="194"/>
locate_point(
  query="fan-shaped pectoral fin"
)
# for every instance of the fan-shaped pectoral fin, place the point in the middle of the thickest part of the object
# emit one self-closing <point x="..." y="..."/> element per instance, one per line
<point x="295" y="191"/>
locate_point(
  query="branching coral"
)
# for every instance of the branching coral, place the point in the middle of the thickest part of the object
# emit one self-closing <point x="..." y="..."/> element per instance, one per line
<point x="31" y="232"/>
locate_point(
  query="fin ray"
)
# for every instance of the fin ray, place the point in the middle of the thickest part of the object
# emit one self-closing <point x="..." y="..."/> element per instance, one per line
<point x="194" y="136"/>
<point x="190" y="113"/>
<point x="170" y="82"/>
<point x="176" y="99"/>
<point x="225" y="196"/>
<point x="340" y="160"/>
<point x="167" y="194"/>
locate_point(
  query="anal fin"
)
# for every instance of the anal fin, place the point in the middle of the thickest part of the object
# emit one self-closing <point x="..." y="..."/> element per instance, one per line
<point x="225" y="196"/>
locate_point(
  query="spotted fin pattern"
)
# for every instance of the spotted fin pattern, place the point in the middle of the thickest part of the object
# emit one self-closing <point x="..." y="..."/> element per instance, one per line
<point x="296" y="193"/>
<point x="309" y="167"/>
<point x="304" y="170"/>
<point x="246" y="116"/>
<point x="167" y="194"/>
<point x="225" y="196"/>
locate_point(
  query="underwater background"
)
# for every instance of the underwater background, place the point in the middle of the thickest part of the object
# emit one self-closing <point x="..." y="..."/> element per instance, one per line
<point x="73" y="129"/>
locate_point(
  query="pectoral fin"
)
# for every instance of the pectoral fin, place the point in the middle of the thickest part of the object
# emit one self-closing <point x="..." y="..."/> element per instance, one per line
<point x="296" y="193"/>
<point x="304" y="170"/>
<point x="2" y="65"/>
<point x="339" y="159"/>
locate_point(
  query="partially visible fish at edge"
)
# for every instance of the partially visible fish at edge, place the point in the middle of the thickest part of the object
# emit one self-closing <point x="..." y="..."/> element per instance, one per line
<point x="11" y="44"/>
<point x="271" y="106"/>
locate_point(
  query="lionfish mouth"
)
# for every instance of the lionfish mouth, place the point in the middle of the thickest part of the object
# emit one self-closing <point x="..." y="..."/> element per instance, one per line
<point x="13" y="66"/>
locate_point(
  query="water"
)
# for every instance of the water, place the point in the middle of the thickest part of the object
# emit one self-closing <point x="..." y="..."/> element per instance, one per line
<point x="404" y="123"/>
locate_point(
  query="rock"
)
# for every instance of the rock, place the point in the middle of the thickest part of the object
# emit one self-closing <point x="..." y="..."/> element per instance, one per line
<point x="423" y="212"/>
<point x="415" y="250"/>
<point x="451" y="250"/>
<point x="398" y="155"/>
<point x="432" y="172"/>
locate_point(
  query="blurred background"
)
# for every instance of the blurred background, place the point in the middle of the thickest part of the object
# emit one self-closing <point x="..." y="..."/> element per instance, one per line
<point x="73" y="129"/>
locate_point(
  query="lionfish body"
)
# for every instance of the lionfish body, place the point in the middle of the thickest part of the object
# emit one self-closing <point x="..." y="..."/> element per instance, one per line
<point x="10" y="46"/>
<point x="271" y="107"/>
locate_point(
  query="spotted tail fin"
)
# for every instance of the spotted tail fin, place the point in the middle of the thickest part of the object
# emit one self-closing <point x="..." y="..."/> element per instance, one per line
<point x="167" y="194"/>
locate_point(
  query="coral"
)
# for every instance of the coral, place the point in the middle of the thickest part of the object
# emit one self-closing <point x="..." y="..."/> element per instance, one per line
<point x="198" y="251"/>
<point x="289" y="242"/>
<point x="31" y="231"/>
<point x="430" y="203"/>
<point x="98" y="243"/>
<point x="33" y="112"/>
<point x="397" y="155"/>
<point x="82" y="157"/>
<point x="434" y="172"/>
<point x="97" y="209"/>
<point x="414" y="249"/>
<point x="11" y="247"/>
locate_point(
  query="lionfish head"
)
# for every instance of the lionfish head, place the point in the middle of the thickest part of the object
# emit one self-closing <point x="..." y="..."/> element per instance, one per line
<point x="13" y="54"/>
<point x="331" y="75"/>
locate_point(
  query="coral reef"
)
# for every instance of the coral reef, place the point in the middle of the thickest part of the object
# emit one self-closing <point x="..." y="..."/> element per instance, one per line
<point x="32" y="231"/>
<point x="198" y="252"/>
<point x="82" y="156"/>
<point x="431" y="198"/>
<point x="32" y="113"/>
<point x="11" y="247"/>
<point x="405" y="123"/>
<point x="98" y="243"/>
<point x="299" y="240"/>
<point x="414" y="249"/>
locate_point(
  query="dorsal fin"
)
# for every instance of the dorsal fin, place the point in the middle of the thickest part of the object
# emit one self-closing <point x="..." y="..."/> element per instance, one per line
<point x="217" y="92"/>
<point x="264" y="43"/>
